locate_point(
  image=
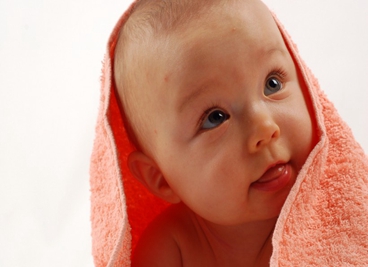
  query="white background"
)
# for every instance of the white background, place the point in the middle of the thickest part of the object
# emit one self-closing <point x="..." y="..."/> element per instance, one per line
<point x="50" y="61"/>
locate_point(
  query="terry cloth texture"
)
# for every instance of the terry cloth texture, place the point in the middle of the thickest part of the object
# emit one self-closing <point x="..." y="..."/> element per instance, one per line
<point x="322" y="223"/>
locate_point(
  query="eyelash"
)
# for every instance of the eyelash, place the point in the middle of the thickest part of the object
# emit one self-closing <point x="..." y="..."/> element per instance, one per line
<point x="279" y="72"/>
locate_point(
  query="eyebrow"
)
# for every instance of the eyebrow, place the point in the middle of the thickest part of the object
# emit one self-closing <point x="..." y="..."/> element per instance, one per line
<point x="274" y="50"/>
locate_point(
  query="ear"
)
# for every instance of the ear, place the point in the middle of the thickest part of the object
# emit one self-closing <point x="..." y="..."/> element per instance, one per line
<point x="149" y="174"/>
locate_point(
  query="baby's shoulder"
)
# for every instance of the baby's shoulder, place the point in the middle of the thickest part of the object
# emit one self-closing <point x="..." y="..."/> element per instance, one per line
<point x="167" y="239"/>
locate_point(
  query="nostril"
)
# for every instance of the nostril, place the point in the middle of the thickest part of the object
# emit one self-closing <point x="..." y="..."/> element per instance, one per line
<point x="261" y="142"/>
<point x="276" y="133"/>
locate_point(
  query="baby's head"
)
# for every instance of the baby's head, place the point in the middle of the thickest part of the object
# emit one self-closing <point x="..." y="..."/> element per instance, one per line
<point x="215" y="105"/>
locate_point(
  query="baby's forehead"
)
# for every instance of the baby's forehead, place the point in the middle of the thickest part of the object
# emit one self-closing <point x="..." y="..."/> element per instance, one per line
<point x="195" y="44"/>
<point x="190" y="38"/>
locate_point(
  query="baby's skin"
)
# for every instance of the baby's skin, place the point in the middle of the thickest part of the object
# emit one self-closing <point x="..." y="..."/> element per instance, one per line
<point x="225" y="128"/>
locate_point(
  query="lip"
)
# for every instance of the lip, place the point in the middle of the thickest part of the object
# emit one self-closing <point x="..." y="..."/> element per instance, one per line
<point x="274" y="178"/>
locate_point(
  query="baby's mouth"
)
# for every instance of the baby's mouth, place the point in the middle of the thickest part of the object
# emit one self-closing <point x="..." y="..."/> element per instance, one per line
<point x="274" y="178"/>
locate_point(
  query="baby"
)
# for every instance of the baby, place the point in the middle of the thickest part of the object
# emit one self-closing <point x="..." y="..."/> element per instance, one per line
<point x="222" y="124"/>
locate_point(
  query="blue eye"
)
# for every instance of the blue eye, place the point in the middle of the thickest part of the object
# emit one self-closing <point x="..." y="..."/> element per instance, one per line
<point x="214" y="119"/>
<point x="273" y="85"/>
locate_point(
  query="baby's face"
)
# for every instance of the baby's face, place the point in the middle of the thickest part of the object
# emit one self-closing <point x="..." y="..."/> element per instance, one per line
<point x="227" y="118"/>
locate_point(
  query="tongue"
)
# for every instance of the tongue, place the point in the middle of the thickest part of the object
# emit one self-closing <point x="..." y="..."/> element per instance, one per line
<point x="272" y="173"/>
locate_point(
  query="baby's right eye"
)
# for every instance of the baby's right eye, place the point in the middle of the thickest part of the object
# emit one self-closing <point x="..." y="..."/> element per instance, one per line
<point x="214" y="119"/>
<point x="273" y="85"/>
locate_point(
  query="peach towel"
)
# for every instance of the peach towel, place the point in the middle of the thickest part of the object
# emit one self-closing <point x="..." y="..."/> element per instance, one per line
<point x="324" y="221"/>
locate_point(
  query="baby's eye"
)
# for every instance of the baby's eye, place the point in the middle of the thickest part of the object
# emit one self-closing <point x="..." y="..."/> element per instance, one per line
<point x="214" y="119"/>
<point x="273" y="85"/>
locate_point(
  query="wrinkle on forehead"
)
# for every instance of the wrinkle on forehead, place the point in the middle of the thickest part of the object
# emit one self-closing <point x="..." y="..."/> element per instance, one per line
<point x="201" y="48"/>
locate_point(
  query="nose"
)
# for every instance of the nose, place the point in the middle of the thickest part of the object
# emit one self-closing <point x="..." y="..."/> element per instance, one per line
<point x="263" y="130"/>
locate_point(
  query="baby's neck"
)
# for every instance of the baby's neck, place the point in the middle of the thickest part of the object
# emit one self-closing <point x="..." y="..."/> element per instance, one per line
<point x="246" y="245"/>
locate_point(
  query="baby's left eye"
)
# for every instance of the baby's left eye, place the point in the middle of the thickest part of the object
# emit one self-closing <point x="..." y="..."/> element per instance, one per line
<point x="273" y="85"/>
<point x="214" y="119"/>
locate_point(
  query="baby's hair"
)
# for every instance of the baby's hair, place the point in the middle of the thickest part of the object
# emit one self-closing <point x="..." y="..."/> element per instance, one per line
<point x="149" y="19"/>
<point x="163" y="16"/>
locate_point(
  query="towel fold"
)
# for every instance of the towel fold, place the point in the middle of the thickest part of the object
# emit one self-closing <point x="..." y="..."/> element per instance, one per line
<point x="322" y="223"/>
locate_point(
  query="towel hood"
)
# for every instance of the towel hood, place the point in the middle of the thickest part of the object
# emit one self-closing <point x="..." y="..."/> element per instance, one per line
<point x="322" y="223"/>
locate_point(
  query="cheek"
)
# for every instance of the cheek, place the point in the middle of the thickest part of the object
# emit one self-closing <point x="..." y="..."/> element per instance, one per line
<point x="203" y="170"/>
<point x="301" y="131"/>
<point x="211" y="183"/>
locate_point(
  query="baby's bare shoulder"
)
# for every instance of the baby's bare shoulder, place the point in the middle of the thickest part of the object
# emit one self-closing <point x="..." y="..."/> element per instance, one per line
<point x="166" y="239"/>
